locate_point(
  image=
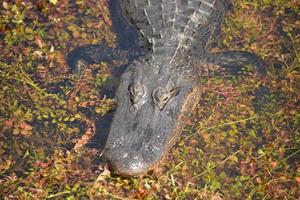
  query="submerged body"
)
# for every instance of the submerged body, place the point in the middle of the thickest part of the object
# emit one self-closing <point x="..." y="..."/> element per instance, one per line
<point x="160" y="86"/>
<point x="159" y="89"/>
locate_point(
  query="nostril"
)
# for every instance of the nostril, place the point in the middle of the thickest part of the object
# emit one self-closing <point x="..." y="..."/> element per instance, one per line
<point x="125" y="155"/>
<point x="131" y="109"/>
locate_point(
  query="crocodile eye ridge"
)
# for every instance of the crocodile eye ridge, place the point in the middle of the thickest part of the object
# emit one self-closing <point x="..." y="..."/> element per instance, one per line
<point x="161" y="96"/>
<point x="138" y="94"/>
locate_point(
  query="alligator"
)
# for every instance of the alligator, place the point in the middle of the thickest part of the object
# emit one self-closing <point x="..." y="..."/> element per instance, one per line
<point x="160" y="85"/>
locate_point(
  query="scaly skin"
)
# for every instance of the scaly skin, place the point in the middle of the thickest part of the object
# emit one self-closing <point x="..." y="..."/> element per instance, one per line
<point x="157" y="90"/>
<point x="160" y="86"/>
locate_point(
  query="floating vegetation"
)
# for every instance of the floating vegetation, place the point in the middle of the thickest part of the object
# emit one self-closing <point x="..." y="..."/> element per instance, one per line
<point x="241" y="142"/>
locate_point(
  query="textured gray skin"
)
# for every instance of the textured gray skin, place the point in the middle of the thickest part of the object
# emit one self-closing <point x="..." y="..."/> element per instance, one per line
<point x="154" y="88"/>
<point x="139" y="136"/>
<point x="160" y="83"/>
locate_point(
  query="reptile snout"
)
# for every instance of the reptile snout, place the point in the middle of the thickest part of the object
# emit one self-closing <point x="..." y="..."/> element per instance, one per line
<point x="127" y="163"/>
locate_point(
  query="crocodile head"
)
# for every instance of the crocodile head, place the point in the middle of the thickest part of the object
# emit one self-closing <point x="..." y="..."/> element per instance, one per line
<point x="150" y="109"/>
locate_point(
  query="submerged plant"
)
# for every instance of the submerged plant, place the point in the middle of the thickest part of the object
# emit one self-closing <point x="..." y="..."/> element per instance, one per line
<point x="242" y="141"/>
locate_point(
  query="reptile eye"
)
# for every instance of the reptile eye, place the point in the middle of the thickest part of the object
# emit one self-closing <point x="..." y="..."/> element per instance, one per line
<point x="166" y="98"/>
<point x="161" y="96"/>
<point x="138" y="95"/>
<point x="131" y="91"/>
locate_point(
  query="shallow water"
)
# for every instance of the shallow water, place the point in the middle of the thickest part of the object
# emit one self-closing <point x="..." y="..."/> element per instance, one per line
<point x="243" y="137"/>
<point x="128" y="48"/>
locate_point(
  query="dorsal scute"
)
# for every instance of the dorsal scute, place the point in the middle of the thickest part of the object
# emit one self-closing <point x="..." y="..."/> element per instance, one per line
<point x="171" y="27"/>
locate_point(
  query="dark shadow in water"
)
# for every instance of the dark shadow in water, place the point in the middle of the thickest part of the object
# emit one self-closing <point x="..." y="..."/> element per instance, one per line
<point x="261" y="98"/>
<point x="102" y="129"/>
<point x="128" y="44"/>
<point x="266" y="100"/>
<point x="234" y="62"/>
<point x="128" y="48"/>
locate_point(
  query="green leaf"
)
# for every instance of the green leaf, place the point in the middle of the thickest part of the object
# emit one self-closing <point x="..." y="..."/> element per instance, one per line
<point x="261" y="152"/>
<point x="72" y="119"/>
<point x="26" y="154"/>
<point x="215" y="185"/>
<point x="77" y="116"/>
<point x="54" y="2"/>
<point x="5" y="5"/>
<point x="45" y="116"/>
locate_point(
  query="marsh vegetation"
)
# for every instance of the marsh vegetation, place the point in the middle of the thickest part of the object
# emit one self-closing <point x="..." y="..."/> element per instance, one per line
<point x="241" y="142"/>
